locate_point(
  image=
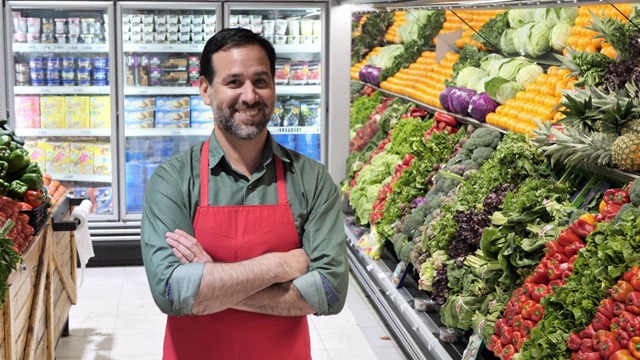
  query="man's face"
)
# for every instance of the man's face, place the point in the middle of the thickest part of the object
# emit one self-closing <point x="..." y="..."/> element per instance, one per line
<point x="242" y="95"/>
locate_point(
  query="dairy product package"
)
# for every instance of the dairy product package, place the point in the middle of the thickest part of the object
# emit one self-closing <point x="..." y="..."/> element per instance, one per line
<point x="52" y="105"/>
<point x="82" y="158"/>
<point x="138" y="119"/>
<point x="77" y="105"/>
<point x="171" y="103"/>
<point x="27" y="112"/>
<point x="58" y="121"/>
<point x="37" y="152"/>
<point x="102" y="158"/>
<point x="100" y="109"/>
<point x="172" y="118"/>
<point x="57" y="157"/>
<point x="77" y="121"/>
<point x="201" y="113"/>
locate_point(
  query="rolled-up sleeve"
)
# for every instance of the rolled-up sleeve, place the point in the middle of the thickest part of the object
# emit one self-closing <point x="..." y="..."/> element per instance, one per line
<point x="325" y="286"/>
<point x="173" y="285"/>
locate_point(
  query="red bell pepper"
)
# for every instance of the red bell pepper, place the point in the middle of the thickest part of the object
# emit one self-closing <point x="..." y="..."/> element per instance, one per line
<point x="589" y="356"/>
<point x="507" y="336"/>
<point x="611" y="211"/>
<point x="526" y="309"/>
<point x="615" y="324"/>
<point x="446" y="118"/>
<point x="518" y="339"/>
<point x="608" y="347"/>
<point x="618" y="308"/>
<point x="587" y="333"/>
<point x="633" y="302"/>
<point x="600" y="336"/>
<point x="568" y="237"/>
<point x="552" y="247"/>
<point x="625" y="319"/>
<point x="497" y="348"/>
<point x="581" y="228"/>
<point x="606" y="308"/>
<point x="633" y="326"/>
<point x="501" y="324"/>
<point x="572" y="249"/>
<point x="493" y="340"/>
<point x="623" y="354"/>
<point x="528" y="289"/>
<point x="587" y="346"/>
<point x="609" y="195"/>
<point x="555" y="285"/>
<point x="517" y="323"/>
<point x="621" y="197"/>
<point x="600" y="322"/>
<point x="629" y="275"/>
<point x="574" y="342"/>
<point x="527" y="326"/>
<point x="537" y="312"/>
<point x="539" y="292"/>
<point x="634" y="346"/>
<point x="557" y="271"/>
<point x="508" y="352"/>
<point x="623" y="337"/>
<point x="540" y="274"/>
<point x="621" y="290"/>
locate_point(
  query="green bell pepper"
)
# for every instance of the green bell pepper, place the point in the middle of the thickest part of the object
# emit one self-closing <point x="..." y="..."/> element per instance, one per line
<point x="4" y="167"/>
<point x="4" y="153"/>
<point x="18" y="160"/>
<point x="5" y="140"/>
<point x="17" y="189"/>
<point x="33" y="181"/>
<point x="33" y="168"/>
<point x="4" y="187"/>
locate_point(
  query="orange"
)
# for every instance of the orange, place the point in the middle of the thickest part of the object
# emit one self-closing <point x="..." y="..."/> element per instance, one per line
<point x="553" y="70"/>
<point x="590" y="49"/>
<point x="542" y="79"/>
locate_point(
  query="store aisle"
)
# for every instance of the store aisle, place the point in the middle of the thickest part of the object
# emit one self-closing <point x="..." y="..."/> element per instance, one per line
<point x="115" y="318"/>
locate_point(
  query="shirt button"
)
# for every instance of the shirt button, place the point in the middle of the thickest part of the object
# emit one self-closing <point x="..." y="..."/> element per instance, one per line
<point x="250" y="186"/>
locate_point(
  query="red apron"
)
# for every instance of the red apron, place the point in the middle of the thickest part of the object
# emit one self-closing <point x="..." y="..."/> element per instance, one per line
<point x="232" y="234"/>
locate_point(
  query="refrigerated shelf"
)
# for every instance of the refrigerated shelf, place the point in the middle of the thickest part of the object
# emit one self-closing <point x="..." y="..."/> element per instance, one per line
<point x="162" y="47"/>
<point x="415" y="330"/>
<point x="60" y="48"/>
<point x="194" y="90"/>
<point x="62" y="132"/>
<point x="61" y="90"/>
<point x="298" y="89"/>
<point x="207" y="131"/>
<point x="81" y="177"/>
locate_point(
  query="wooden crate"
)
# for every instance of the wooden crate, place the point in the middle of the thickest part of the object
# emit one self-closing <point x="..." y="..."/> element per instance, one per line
<point x="41" y="292"/>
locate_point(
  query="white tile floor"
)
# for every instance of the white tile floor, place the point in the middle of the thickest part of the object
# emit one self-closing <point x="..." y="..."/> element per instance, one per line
<point x="115" y="318"/>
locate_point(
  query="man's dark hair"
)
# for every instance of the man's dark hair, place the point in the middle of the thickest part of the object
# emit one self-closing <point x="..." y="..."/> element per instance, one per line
<point x="227" y="39"/>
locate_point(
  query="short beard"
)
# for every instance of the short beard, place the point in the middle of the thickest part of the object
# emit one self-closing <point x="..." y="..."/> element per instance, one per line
<point x="224" y="117"/>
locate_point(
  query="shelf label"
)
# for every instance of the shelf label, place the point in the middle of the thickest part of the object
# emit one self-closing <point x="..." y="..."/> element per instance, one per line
<point x="46" y="90"/>
<point x="176" y="132"/>
<point x="85" y="132"/>
<point x="43" y="133"/>
<point x="369" y="267"/>
<point x="142" y="91"/>
<point x="430" y="346"/>
<point x="68" y="176"/>
<point x="73" y="48"/>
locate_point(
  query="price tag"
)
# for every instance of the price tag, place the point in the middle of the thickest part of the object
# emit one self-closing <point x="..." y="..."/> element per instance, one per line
<point x="67" y="176"/>
<point x="46" y="90"/>
<point x="369" y="267"/>
<point x="32" y="47"/>
<point x="73" y="48"/>
<point x="143" y="92"/>
<point x="167" y="47"/>
<point x="85" y="132"/>
<point x="79" y="90"/>
<point x="176" y="132"/>
<point x="43" y="133"/>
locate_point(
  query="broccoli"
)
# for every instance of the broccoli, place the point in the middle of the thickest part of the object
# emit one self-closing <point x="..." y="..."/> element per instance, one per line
<point x="481" y="154"/>
<point x="626" y="211"/>
<point x="405" y="252"/>
<point x="412" y="222"/>
<point x="399" y="239"/>
<point x="469" y="165"/>
<point x="483" y="137"/>
<point x="634" y="193"/>
<point x="457" y="169"/>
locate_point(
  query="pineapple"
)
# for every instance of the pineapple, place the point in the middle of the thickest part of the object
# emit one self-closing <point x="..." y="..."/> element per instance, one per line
<point x="631" y="127"/>
<point x="576" y="148"/>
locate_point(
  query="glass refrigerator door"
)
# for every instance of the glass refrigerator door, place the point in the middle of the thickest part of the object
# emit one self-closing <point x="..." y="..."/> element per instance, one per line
<point x="60" y="91"/>
<point x="161" y="110"/>
<point x="296" y="32"/>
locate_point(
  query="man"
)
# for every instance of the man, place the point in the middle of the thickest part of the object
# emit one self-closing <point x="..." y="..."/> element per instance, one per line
<point x="242" y="238"/>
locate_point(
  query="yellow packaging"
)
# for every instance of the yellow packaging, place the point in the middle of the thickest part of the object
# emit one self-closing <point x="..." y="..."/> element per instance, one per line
<point x="100" y="108"/>
<point x="57" y="157"/>
<point x="77" y="121"/>
<point x="82" y="158"/>
<point x="37" y="152"/>
<point x="52" y="105"/>
<point x="77" y="105"/>
<point x="53" y="121"/>
<point x="102" y="159"/>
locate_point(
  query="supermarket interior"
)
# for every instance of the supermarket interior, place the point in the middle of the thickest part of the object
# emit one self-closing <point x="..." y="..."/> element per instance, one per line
<point x="485" y="154"/>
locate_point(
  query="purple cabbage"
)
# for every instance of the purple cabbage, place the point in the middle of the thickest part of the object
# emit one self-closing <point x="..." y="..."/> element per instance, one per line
<point x="445" y="96"/>
<point x="459" y="99"/>
<point x="481" y="105"/>
<point x="370" y="74"/>
<point x="417" y="202"/>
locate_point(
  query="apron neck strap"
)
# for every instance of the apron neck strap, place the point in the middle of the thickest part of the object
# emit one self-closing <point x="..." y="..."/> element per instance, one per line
<point x="204" y="177"/>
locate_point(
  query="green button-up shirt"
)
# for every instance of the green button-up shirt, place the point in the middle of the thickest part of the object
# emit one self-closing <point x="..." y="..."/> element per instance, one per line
<point x="172" y="196"/>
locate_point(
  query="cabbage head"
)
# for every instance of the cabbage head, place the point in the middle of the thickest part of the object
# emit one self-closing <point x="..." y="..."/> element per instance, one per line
<point x="506" y="42"/>
<point x="466" y="74"/>
<point x="386" y="55"/>
<point x="538" y="40"/>
<point x="539" y="15"/>
<point x="492" y="85"/>
<point x="559" y="36"/>
<point x="507" y="91"/>
<point x="521" y="39"/>
<point x="485" y="62"/>
<point x="552" y="18"/>
<point x="568" y="15"/>
<point x="518" y="17"/>
<point x="528" y="75"/>
<point x="509" y="70"/>
<point x="408" y="32"/>
<point x="418" y="16"/>
<point x="494" y="68"/>
<point x="477" y="82"/>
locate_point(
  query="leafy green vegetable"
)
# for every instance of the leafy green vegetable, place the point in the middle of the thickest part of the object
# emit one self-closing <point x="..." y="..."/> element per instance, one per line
<point x="491" y="86"/>
<point x="372" y="35"/>
<point x="507" y="91"/>
<point x="362" y="107"/>
<point x="490" y="33"/>
<point x="469" y="56"/>
<point x="528" y="75"/>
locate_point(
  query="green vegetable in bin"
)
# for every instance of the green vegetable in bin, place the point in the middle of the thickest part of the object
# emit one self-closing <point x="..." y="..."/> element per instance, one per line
<point x="5" y="140"/>
<point x="4" y="187"/>
<point x="17" y="189"/>
<point x="18" y="160"/>
<point x="4" y="153"/>
<point x="33" y="181"/>
<point x="4" y="122"/>
<point x="18" y="140"/>
<point x="4" y="167"/>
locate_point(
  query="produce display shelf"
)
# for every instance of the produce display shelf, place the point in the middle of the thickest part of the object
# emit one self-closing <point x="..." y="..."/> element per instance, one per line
<point x="60" y="48"/>
<point x="62" y="132"/>
<point x="62" y="90"/>
<point x="607" y="172"/>
<point x="81" y="177"/>
<point x="417" y="331"/>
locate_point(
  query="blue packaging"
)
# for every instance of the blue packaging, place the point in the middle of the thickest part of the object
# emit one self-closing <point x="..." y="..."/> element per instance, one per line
<point x="36" y="63"/>
<point x="53" y="82"/>
<point x="37" y="82"/>
<point x="100" y="74"/>
<point x="68" y="63"/>
<point x="84" y="82"/>
<point x="101" y="63"/>
<point x="66" y="82"/>
<point x="99" y="83"/>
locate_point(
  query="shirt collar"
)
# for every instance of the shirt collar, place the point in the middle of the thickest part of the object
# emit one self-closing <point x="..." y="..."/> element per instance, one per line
<point x="216" y="154"/>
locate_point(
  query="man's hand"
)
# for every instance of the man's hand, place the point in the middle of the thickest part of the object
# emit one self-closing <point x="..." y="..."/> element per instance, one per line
<point x="295" y="263"/>
<point x="186" y="247"/>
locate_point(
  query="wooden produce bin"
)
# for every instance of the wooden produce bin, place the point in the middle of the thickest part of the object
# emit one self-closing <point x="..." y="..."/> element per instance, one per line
<point x="41" y="292"/>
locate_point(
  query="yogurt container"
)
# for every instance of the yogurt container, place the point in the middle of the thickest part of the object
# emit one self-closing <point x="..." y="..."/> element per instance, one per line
<point x="60" y="25"/>
<point x="73" y="38"/>
<point x="68" y="74"/>
<point x="54" y="63"/>
<point x="37" y="74"/>
<point x="53" y="82"/>
<point x="84" y="63"/>
<point x="83" y="74"/>
<point x="68" y="82"/>
<point x="74" y="25"/>
<point x="88" y="38"/>
<point x="68" y="62"/>
<point x="53" y="74"/>
<point x="84" y="82"/>
<point x="61" y="38"/>
<point x="37" y="82"/>
<point x="101" y="63"/>
<point x="100" y="74"/>
<point x="36" y="63"/>
<point x="100" y="83"/>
